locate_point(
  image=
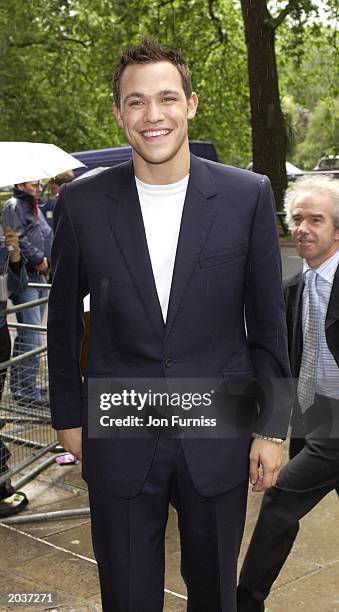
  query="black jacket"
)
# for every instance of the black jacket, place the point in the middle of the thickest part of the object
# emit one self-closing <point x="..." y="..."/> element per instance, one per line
<point x="227" y="261"/>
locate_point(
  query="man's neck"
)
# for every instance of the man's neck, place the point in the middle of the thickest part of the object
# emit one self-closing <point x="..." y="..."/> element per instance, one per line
<point x="165" y="173"/>
<point x="317" y="262"/>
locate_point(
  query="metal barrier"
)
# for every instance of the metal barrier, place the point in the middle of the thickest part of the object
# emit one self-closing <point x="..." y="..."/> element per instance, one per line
<point x="26" y="434"/>
<point x="24" y="422"/>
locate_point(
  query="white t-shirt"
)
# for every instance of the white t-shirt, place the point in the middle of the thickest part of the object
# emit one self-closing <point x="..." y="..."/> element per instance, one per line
<point x="161" y="207"/>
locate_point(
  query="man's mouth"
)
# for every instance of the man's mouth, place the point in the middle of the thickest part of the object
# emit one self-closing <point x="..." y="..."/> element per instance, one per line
<point x="155" y="133"/>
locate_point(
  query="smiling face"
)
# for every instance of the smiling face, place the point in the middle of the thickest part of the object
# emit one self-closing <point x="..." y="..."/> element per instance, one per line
<point x="154" y="114"/>
<point x="313" y="227"/>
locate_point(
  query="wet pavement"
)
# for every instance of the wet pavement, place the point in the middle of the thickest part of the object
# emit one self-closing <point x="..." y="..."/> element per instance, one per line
<point x="56" y="556"/>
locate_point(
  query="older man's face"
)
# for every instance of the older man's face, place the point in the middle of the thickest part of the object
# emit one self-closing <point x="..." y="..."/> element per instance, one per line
<point x="313" y="227"/>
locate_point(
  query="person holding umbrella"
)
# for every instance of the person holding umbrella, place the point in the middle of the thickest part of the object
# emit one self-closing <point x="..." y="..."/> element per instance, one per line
<point x="13" y="277"/>
<point x="24" y="164"/>
<point x="35" y="237"/>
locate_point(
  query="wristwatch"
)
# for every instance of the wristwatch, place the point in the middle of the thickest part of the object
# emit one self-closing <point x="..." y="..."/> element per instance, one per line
<point x="257" y="436"/>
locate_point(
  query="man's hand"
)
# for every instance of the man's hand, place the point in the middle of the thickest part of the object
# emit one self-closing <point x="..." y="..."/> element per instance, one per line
<point x="43" y="266"/>
<point x="268" y="455"/>
<point x="12" y="243"/>
<point x="70" y="440"/>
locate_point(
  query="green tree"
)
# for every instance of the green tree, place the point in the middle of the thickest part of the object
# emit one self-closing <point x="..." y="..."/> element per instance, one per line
<point x="57" y="58"/>
<point x="322" y="135"/>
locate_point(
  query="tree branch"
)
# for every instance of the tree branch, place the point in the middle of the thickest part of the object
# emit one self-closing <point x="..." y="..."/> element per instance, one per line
<point x="47" y="43"/>
<point x="216" y="20"/>
<point x="85" y="44"/>
<point x="275" y="22"/>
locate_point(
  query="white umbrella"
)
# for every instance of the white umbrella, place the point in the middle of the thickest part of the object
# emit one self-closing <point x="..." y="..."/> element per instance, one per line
<point x="21" y="162"/>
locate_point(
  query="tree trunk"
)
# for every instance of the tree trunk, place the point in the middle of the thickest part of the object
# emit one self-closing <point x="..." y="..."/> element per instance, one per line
<point x="267" y="120"/>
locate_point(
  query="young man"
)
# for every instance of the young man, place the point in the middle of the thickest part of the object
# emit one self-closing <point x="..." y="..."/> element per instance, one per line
<point x="312" y="302"/>
<point x="171" y="248"/>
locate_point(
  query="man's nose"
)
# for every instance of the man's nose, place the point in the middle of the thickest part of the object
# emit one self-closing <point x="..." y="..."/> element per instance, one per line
<point x="303" y="227"/>
<point x="153" y="113"/>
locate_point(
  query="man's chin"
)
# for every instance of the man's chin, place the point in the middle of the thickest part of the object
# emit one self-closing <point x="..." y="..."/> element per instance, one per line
<point x="157" y="157"/>
<point x="305" y="250"/>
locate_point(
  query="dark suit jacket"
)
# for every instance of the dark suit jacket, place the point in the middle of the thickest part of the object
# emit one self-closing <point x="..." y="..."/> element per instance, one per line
<point x="227" y="259"/>
<point x="293" y="291"/>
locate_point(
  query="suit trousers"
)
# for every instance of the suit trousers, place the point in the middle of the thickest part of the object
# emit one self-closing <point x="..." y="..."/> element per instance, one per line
<point x="129" y="539"/>
<point x="312" y="472"/>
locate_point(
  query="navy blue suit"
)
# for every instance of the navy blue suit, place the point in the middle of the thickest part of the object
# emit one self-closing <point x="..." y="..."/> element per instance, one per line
<point x="227" y="260"/>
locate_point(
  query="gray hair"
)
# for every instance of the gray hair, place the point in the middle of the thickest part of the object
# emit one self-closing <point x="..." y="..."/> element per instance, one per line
<point x="325" y="184"/>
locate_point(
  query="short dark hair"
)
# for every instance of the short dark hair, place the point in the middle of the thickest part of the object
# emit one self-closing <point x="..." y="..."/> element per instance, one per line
<point x="64" y="177"/>
<point x="146" y="51"/>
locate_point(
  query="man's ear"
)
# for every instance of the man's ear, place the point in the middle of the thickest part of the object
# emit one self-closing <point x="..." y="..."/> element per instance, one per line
<point x="192" y="105"/>
<point x="20" y="186"/>
<point x="117" y="115"/>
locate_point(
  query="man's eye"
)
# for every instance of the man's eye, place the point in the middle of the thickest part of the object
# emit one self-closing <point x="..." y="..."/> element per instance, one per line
<point x="168" y="99"/>
<point x="135" y="103"/>
<point x="296" y="220"/>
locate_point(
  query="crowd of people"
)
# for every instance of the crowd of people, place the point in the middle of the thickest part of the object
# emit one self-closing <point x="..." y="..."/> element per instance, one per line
<point x="173" y="250"/>
<point x="25" y="255"/>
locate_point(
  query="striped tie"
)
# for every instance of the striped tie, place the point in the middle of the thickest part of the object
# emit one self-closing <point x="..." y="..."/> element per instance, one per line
<point x="306" y="383"/>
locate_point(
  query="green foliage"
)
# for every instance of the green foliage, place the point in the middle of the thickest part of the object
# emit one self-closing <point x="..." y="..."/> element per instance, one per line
<point x="57" y="58"/>
<point x="322" y="135"/>
<point x="309" y="79"/>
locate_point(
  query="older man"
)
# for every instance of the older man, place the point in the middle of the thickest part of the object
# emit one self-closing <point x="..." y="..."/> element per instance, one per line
<point x="312" y="302"/>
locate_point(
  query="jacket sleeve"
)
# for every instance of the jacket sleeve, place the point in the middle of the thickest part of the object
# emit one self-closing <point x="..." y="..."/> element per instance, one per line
<point x="266" y="319"/>
<point x="17" y="277"/>
<point x="65" y="321"/>
<point x="12" y="218"/>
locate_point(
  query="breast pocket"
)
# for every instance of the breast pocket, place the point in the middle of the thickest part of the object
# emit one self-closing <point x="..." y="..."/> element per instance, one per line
<point x="229" y="256"/>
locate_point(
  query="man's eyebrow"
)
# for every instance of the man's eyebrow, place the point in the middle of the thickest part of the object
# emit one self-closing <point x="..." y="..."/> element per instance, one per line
<point x="163" y="92"/>
<point x="311" y="214"/>
<point x="166" y="92"/>
<point x="134" y="94"/>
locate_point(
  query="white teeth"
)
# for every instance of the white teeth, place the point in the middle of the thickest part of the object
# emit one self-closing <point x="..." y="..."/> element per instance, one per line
<point x="151" y="133"/>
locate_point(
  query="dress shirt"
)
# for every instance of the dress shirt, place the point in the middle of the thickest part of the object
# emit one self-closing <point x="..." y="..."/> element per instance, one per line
<point x="327" y="371"/>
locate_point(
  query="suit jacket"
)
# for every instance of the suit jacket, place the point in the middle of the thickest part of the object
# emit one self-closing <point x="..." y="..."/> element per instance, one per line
<point x="227" y="261"/>
<point x="293" y="292"/>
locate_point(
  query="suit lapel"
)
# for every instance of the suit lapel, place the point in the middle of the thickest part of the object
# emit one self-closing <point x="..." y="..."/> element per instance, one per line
<point x="128" y="227"/>
<point x="197" y="219"/>
<point x="333" y="305"/>
<point x="296" y="290"/>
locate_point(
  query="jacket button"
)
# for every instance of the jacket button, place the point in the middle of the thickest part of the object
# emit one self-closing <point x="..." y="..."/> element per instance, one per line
<point x="168" y="362"/>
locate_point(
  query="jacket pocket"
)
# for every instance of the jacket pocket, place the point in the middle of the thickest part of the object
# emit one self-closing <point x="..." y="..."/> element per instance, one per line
<point x="239" y="383"/>
<point x="224" y="257"/>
